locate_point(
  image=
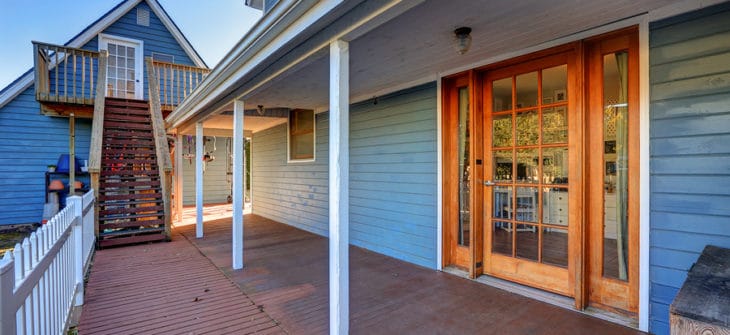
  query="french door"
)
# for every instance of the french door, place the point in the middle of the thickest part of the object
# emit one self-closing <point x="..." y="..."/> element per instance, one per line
<point x="124" y="67"/>
<point x="530" y="173"/>
<point x="540" y="170"/>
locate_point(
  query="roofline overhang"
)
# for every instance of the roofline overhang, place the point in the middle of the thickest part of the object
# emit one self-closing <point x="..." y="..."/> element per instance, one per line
<point x="280" y="41"/>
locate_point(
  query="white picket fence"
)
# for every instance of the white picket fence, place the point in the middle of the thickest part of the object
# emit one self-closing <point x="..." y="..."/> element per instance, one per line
<point x="42" y="279"/>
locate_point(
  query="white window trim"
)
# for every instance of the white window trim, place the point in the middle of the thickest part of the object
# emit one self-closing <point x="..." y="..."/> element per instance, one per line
<point x="104" y="40"/>
<point x="289" y="160"/>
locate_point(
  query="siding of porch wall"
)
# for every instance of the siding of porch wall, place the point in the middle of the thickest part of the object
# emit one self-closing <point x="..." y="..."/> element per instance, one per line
<point x="216" y="185"/>
<point x="30" y="141"/>
<point x="690" y="157"/>
<point x="393" y="167"/>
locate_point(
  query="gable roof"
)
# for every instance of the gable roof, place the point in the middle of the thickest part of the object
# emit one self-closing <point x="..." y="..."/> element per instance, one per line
<point x="24" y="81"/>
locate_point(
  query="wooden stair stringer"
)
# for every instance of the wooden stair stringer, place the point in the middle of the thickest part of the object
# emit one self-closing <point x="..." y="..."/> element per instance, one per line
<point x="130" y="199"/>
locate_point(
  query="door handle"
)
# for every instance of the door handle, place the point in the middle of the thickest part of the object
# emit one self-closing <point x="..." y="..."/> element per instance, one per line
<point x="488" y="183"/>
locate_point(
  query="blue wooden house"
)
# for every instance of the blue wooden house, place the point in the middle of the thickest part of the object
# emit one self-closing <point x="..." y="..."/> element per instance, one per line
<point x="569" y="151"/>
<point x="66" y="89"/>
<point x="575" y="148"/>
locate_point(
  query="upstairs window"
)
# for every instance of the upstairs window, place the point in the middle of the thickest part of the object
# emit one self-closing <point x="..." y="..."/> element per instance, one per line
<point x="301" y="135"/>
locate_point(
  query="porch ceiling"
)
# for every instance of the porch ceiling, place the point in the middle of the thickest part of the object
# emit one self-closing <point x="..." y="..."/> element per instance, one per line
<point x="222" y="125"/>
<point x="417" y="46"/>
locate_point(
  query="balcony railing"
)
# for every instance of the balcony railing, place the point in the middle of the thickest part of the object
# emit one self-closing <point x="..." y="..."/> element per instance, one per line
<point x="176" y="82"/>
<point x="64" y="74"/>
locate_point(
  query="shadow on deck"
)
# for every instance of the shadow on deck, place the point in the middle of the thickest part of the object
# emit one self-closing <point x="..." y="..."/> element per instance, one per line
<point x="285" y="273"/>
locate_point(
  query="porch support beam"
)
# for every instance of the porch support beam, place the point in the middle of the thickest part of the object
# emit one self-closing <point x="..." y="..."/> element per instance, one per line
<point x="339" y="163"/>
<point x="238" y="183"/>
<point x="179" y="177"/>
<point x="199" y="179"/>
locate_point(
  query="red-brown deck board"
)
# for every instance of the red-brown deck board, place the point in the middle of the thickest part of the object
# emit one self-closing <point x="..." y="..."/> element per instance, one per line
<point x="166" y="288"/>
<point x="151" y="288"/>
<point x="285" y="270"/>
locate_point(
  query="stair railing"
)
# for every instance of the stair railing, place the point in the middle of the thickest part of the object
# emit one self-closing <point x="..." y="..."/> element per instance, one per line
<point x="97" y="132"/>
<point x="162" y="149"/>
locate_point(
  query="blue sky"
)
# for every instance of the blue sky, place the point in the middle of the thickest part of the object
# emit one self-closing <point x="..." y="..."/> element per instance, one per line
<point x="212" y="26"/>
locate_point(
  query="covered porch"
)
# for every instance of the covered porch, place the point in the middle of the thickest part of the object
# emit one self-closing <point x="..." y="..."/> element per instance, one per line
<point x="284" y="288"/>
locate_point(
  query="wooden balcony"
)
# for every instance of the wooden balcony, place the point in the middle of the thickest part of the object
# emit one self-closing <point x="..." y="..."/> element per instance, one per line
<point x="188" y="286"/>
<point x="66" y="80"/>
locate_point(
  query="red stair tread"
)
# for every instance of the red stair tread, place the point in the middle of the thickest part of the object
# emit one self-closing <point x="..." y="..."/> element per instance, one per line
<point x="130" y="224"/>
<point x="128" y="210"/>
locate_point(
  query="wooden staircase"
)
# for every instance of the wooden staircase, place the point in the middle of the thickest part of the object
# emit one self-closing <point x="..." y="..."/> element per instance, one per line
<point x="130" y="195"/>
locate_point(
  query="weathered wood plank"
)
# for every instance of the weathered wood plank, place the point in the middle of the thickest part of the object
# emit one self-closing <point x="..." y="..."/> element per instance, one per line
<point x="123" y="295"/>
<point x="97" y="127"/>
<point x="703" y="303"/>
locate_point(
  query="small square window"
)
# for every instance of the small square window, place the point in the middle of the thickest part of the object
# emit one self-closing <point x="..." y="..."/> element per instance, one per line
<point x="301" y="135"/>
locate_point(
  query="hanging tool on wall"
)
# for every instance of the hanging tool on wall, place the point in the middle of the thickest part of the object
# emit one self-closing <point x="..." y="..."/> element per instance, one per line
<point x="208" y="156"/>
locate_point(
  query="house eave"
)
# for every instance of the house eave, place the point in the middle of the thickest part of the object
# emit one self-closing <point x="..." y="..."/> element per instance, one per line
<point x="281" y="46"/>
<point x="255" y="4"/>
<point x="250" y="51"/>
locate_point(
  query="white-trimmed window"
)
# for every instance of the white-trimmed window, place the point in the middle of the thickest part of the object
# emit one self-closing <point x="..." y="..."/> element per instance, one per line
<point x="301" y="135"/>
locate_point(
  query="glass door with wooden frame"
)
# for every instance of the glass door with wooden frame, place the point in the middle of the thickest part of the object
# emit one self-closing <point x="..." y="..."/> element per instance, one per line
<point x="458" y="173"/>
<point x="530" y="173"/>
<point x="613" y="180"/>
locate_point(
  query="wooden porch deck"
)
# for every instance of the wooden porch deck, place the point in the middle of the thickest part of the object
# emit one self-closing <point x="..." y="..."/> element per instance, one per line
<point x="152" y="289"/>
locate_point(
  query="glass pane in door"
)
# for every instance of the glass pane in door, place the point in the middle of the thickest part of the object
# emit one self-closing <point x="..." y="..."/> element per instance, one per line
<point x="464" y="169"/>
<point x="530" y="166"/>
<point x="615" y="159"/>
<point x="120" y="71"/>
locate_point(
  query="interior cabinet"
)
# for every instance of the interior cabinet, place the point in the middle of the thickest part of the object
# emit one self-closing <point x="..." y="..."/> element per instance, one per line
<point x="555" y="208"/>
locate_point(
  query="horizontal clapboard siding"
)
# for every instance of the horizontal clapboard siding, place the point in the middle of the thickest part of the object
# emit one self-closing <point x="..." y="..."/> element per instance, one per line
<point x="393" y="167"/>
<point x="690" y="158"/>
<point x="30" y="141"/>
<point x="216" y="182"/>
<point x="291" y="193"/>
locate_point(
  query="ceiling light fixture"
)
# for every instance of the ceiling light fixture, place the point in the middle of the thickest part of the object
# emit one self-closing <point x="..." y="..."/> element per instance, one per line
<point x="462" y="39"/>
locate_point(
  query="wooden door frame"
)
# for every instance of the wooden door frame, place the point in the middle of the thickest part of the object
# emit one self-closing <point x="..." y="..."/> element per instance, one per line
<point x="449" y="122"/>
<point x="579" y="146"/>
<point x="104" y="40"/>
<point x="625" y="39"/>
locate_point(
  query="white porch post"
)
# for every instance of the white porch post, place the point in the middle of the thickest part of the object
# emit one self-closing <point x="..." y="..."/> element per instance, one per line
<point x="179" y="177"/>
<point x="238" y="184"/>
<point x="339" y="163"/>
<point x="199" y="179"/>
